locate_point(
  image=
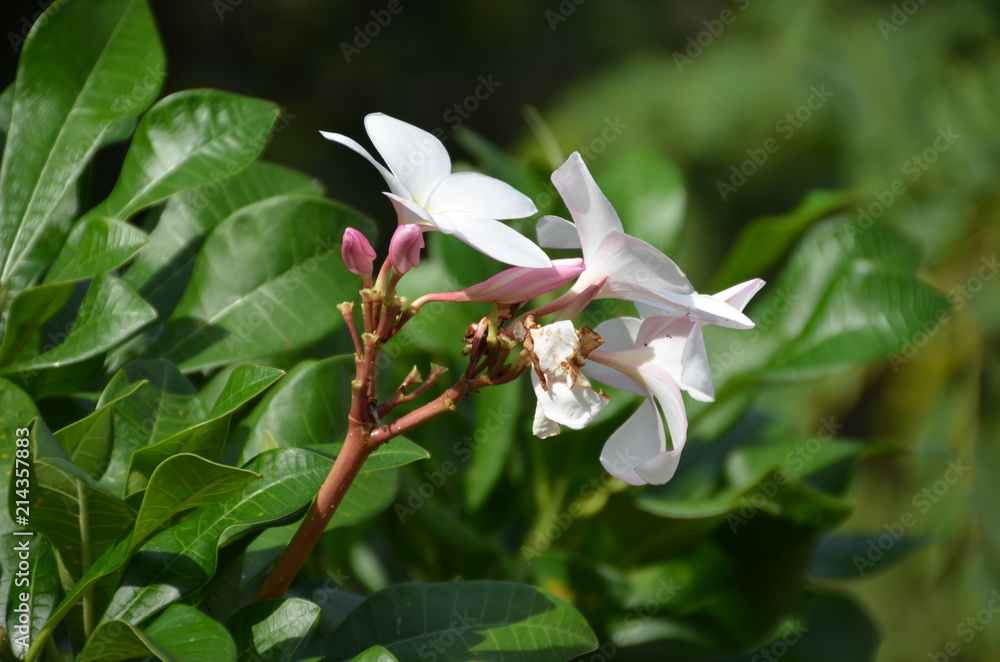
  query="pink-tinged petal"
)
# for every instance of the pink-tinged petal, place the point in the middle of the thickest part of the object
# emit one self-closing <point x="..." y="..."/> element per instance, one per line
<point x="495" y="239"/>
<point x="394" y="184"/>
<point x="473" y="193"/>
<point x="555" y="232"/>
<point x="611" y="376"/>
<point x="404" y="248"/>
<point x="590" y="209"/>
<point x="415" y="157"/>
<point x="357" y="253"/>
<point x="738" y="296"/>
<point x="523" y="283"/>
<point x="408" y="212"/>
<point x="636" y="442"/>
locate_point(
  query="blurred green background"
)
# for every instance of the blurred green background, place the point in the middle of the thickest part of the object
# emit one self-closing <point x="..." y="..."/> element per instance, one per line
<point x="888" y="104"/>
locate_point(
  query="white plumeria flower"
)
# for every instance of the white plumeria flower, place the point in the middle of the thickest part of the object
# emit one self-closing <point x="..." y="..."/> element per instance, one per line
<point x="635" y="270"/>
<point x="657" y="358"/>
<point x="565" y="397"/>
<point x="424" y="191"/>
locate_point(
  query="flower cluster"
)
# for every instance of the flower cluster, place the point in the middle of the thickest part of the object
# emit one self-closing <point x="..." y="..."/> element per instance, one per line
<point x="656" y="355"/>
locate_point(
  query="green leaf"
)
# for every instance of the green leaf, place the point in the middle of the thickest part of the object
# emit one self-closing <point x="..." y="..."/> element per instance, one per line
<point x="375" y="654"/>
<point x="186" y="140"/>
<point x="164" y="404"/>
<point x="766" y="240"/>
<point x="858" y="300"/>
<point x="88" y="441"/>
<point x="29" y="310"/>
<point x="648" y="193"/>
<point x="110" y="66"/>
<point x="161" y="270"/>
<point x="284" y="298"/>
<point x="42" y="589"/>
<point x="491" y="440"/>
<point x="856" y="555"/>
<point x="181" y="559"/>
<point x="109" y="313"/>
<point x="183" y="482"/>
<point x="273" y="630"/>
<point x="95" y="245"/>
<point x="207" y="437"/>
<point x="309" y="407"/>
<point x="180" y="634"/>
<point x="462" y="621"/>
<point x="75" y="513"/>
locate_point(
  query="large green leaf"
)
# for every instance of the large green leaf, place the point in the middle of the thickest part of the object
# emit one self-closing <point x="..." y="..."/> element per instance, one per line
<point x="207" y="437"/>
<point x="462" y="621"/>
<point x="182" y="558"/>
<point x="180" y="634"/>
<point x="183" y="482"/>
<point x="308" y="408"/>
<point x="110" y="312"/>
<point x="284" y="298"/>
<point x="375" y="654"/>
<point x="186" y="140"/>
<point x="648" y="193"/>
<point x="164" y="404"/>
<point x="849" y="296"/>
<point x="41" y="586"/>
<point x="28" y="311"/>
<point x="76" y="514"/>
<point x="88" y="441"/>
<point x="110" y="66"/>
<point x="490" y="442"/>
<point x="273" y="630"/>
<point x="766" y="240"/>
<point x="94" y="246"/>
<point x="161" y="270"/>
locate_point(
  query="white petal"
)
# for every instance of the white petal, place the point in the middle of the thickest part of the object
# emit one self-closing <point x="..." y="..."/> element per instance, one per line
<point x="696" y="375"/>
<point x="495" y="239"/>
<point x="544" y="427"/>
<point x="408" y="211"/>
<point x="555" y="232"/>
<point x="415" y="156"/>
<point x="590" y="209"/>
<point x="478" y="194"/>
<point x="575" y="407"/>
<point x="630" y="262"/>
<point x="618" y="333"/>
<point x="637" y="441"/>
<point x="738" y="296"/>
<point x="669" y="399"/>
<point x="395" y="185"/>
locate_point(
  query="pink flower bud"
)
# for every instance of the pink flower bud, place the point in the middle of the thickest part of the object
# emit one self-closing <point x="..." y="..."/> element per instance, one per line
<point x="517" y="284"/>
<point x="404" y="248"/>
<point x="357" y="253"/>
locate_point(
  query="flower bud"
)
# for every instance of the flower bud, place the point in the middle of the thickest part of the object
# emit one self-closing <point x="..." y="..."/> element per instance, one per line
<point x="358" y="254"/>
<point x="404" y="248"/>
